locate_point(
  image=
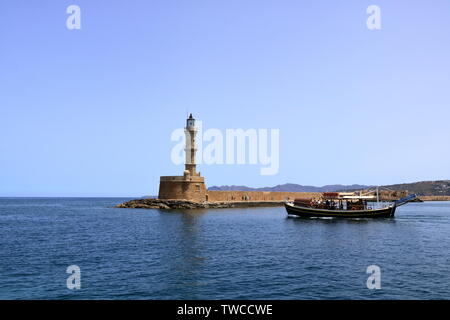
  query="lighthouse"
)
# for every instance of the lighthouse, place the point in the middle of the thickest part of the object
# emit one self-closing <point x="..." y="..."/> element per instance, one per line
<point x="191" y="147"/>
<point x="190" y="186"/>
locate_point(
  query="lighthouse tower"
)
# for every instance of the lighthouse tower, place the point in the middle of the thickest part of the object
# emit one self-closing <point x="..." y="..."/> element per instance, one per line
<point x="190" y="186"/>
<point x="191" y="147"/>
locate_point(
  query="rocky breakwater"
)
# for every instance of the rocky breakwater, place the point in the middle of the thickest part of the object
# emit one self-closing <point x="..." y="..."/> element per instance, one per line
<point x="184" y="204"/>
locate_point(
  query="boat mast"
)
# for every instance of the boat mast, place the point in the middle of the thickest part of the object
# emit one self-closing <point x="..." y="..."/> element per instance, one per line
<point x="378" y="196"/>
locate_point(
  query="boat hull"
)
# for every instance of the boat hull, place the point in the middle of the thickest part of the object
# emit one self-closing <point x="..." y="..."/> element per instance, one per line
<point x="306" y="212"/>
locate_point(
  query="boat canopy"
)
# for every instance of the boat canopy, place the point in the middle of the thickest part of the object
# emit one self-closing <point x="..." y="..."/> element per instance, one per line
<point x="359" y="197"/>
<point x="347" y="196"/>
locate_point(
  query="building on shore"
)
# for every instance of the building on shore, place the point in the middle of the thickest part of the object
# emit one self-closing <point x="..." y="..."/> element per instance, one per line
<point x="191" y="185"/>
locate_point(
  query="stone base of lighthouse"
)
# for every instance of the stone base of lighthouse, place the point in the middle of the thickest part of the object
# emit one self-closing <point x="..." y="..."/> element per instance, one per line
<point x="191" y="188"/>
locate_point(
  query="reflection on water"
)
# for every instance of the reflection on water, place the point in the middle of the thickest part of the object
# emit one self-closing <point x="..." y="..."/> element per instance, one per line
<point x="335" y="220"/>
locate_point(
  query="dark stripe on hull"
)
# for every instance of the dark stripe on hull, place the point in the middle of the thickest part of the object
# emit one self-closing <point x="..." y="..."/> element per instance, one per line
<point x="310" y="212"/>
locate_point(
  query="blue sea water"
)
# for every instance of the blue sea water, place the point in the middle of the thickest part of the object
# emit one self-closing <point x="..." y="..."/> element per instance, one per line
<point x="256" y="253"/>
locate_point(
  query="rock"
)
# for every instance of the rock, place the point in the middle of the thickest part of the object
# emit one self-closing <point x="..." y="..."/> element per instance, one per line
<point x="184" y="204"/>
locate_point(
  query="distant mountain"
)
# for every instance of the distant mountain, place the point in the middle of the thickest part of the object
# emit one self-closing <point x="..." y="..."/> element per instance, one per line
<point x="292" y="187"/>
<point x="423" y="188"/>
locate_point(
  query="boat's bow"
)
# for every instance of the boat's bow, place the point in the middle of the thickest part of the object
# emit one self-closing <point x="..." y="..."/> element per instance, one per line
<point x="405" y="200"/>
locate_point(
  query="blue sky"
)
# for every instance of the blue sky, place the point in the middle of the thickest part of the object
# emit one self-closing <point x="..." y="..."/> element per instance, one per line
<point x="90" y="112"/>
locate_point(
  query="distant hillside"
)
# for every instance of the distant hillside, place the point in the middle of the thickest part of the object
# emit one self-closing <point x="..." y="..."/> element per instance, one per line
<point x="292" y="187"/>
<point x="423" y="188"/>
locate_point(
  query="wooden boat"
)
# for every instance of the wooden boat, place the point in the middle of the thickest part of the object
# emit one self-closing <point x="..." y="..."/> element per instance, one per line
<point x="343" y="206"/>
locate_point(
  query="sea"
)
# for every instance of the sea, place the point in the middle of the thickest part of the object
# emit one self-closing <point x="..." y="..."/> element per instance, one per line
<point x="84" y="248"/>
